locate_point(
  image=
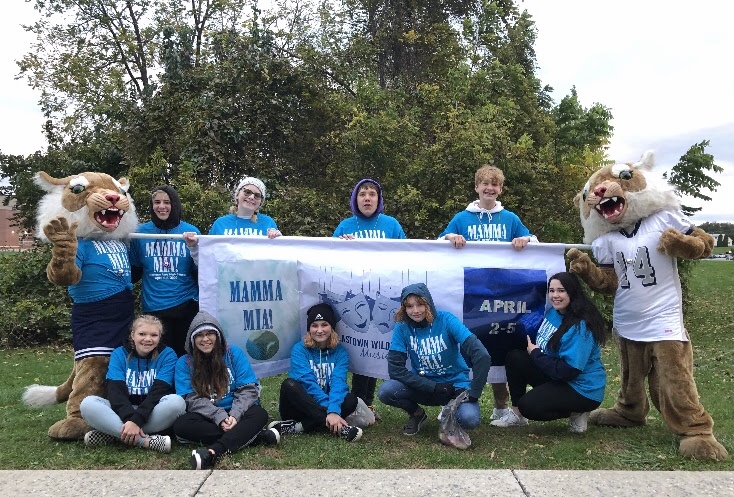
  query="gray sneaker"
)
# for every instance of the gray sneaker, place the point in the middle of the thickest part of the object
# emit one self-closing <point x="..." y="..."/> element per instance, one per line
<point x="499" y="413"/>
<point x="578" y="422"/>
<point x="414" y="423"/>
<point x="509" y="420"/>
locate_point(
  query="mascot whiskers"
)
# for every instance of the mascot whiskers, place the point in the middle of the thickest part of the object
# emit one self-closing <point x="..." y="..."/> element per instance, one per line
<point x="637" y="231"/>
<point x="86" y="216"/>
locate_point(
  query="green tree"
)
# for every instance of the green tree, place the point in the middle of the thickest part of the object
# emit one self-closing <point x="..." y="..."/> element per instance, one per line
<point x="690" y="175"/>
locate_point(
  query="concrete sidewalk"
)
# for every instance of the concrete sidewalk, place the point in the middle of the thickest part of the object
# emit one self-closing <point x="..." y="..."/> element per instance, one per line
<point x="367" y="483"/>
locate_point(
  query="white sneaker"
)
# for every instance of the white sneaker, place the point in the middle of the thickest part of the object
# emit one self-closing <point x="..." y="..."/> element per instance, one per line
<point x="578" y="422"/>
<point x="499" y="413"/>
<point x="510" y="419"/>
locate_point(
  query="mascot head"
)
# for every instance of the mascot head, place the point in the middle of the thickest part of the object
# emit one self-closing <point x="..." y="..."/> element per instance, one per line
<point x="97" y="202"/>
<point x="617" y="196"/>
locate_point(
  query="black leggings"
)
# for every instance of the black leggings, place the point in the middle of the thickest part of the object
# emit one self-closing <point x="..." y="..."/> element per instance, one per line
<point x="297" y="404"/>
<point x="194" y="427"/>
<point x="548" y="399"/>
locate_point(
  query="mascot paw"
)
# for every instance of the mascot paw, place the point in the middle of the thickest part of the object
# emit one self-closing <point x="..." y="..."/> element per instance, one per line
<point x="69" y="429"/>
<point x="58" y="231"/>
<point x="702" y="448"/>
<point x="610" y="417"/>
<point x="578" y="262"/>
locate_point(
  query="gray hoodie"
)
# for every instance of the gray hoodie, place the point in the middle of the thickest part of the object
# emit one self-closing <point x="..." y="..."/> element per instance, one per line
<point x="244" y="397"/>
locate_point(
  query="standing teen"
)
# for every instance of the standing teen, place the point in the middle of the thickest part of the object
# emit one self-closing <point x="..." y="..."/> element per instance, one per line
<point x="222" y="396"/>
<point x="368" y="221"/>
<point x="315" y="396"/>
<point x="139" y="401"/>
<point x="564" y="365"/>
<point x="436" y="343"/>
<point x="485" y="219"/>
<point x="170" y="289"/>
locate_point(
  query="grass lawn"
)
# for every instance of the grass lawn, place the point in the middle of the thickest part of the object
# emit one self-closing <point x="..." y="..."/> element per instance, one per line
<point x="538" y="446"/>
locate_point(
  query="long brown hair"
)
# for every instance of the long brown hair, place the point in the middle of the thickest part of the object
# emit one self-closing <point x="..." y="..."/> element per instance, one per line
<point x="209" y="375"/>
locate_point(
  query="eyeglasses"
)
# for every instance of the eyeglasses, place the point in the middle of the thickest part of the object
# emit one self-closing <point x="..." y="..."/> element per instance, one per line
<point x="249" y="192"/>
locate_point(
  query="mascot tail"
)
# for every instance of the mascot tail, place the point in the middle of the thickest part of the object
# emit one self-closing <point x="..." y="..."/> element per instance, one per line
<point x="40" y="396"/>
<point x="44" y="396"/>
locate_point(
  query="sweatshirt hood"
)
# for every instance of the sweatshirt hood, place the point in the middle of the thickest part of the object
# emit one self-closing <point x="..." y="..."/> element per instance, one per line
<point x="419" y="290"/>
<point x="474" y="207"/>
<point x="174" y="218"/>
<point x="353" y="202"/>
<point x="203" y="321"/>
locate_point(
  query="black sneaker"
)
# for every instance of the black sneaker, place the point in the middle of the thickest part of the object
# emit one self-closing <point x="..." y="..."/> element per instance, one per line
<point x="350" y="433"/>
<point x="414" y="423"/>
<point x="287" y="427"/>
<point x="201" y="459"/>
<point x="268" y="436"/>
<point x="96" y="438"/>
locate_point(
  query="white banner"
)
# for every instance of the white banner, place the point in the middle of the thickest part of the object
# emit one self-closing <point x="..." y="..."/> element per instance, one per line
<point x="260" y="289"/>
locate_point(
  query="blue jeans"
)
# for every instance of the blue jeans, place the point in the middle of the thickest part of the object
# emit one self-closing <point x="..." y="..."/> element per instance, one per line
<point x="99" y="414"/>
<point x="396" y="394"/>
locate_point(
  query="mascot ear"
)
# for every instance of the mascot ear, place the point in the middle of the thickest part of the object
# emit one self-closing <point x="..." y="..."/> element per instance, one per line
<point x="47" y="182"/>
<point x="646" y="162"/>
<point x="124" y="183"/>
<point x="577" y="200"/>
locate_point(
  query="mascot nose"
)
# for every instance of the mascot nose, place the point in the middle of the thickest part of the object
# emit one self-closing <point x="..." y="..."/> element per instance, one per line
<point x="112" y="198"/>
<point x="600" y="191"/>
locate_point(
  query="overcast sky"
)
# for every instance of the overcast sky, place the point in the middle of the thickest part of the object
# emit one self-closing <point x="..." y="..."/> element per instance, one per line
<point x="663" y="68"/>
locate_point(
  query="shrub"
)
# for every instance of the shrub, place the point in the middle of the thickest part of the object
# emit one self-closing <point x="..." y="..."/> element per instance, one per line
<point x="33" y="310"/>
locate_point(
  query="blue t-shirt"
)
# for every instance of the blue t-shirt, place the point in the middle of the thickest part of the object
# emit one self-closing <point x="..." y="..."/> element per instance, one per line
<point x="579" y="350"/>
<point x="139" y="373"/>
<point x="168" y="268"/>
<point x="379" y="226"/>
<point x="435" y="351"/>
<point x="502" y="226"/>
<point x="231" y="224"/>
<point x="238" y="367"/>
<point x="322" y="373"/>
<point x="105" y="270"/>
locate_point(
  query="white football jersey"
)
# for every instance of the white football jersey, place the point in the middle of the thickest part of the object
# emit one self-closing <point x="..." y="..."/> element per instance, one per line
<point x="648" y="302"/>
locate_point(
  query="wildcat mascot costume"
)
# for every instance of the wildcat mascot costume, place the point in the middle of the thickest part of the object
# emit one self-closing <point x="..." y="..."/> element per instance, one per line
<point x="637" y="231"/>
<point x="85" y="217"/>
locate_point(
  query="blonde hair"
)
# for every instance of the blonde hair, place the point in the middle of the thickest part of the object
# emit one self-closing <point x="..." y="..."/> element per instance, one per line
<point x="402" y="314"/>
<point x="233" y="210"/>
<point x="310" y="343"/>
<point x="141" y="320"/>
<point x="489" y="173"/>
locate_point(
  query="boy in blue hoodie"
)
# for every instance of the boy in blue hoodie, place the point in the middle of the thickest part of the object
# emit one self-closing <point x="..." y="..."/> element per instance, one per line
<point x="486" y="220"/>
<point x="368" y="221"/>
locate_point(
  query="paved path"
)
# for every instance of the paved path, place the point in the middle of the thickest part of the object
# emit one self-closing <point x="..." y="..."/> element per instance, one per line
<point x="367" y="483"/>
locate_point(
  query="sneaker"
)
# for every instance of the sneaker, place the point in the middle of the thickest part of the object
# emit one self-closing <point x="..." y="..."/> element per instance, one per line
<point x="350" y="433"/>
<point x="578" y="421"/>
<point x="201" y="459"/>
<point x="268" y="436"/>
<point x="376" y="414"/>
<point x="510" y="419"/>
<point x="287" y="427"/>
<point x="499" y="413"/>
<point x="414" y="423"/>
<point x="96" y="438"/>
<point x="159" y="443"/>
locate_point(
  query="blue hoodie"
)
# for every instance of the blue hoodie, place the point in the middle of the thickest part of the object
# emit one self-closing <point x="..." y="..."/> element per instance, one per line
<point x="378" y="225"/>
<point x="322" y="373"/>
<point x="436" y="350"/>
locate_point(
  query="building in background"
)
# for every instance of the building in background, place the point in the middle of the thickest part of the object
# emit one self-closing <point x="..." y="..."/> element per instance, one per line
<point x="12" y="237"/>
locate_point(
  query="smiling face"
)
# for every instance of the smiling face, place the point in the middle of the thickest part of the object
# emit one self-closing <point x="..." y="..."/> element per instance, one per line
<point x="145" y="338"/>
<point x="415" y="308"/>
<point x="488" y="191"/>
<point x="249" y="199"/>
<point x="162" y="205"/>
<point x="320" y="332"/>
<point x="367" y="199"/>
<point x="205" y="341"/>
<point x="558" y="296"/>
